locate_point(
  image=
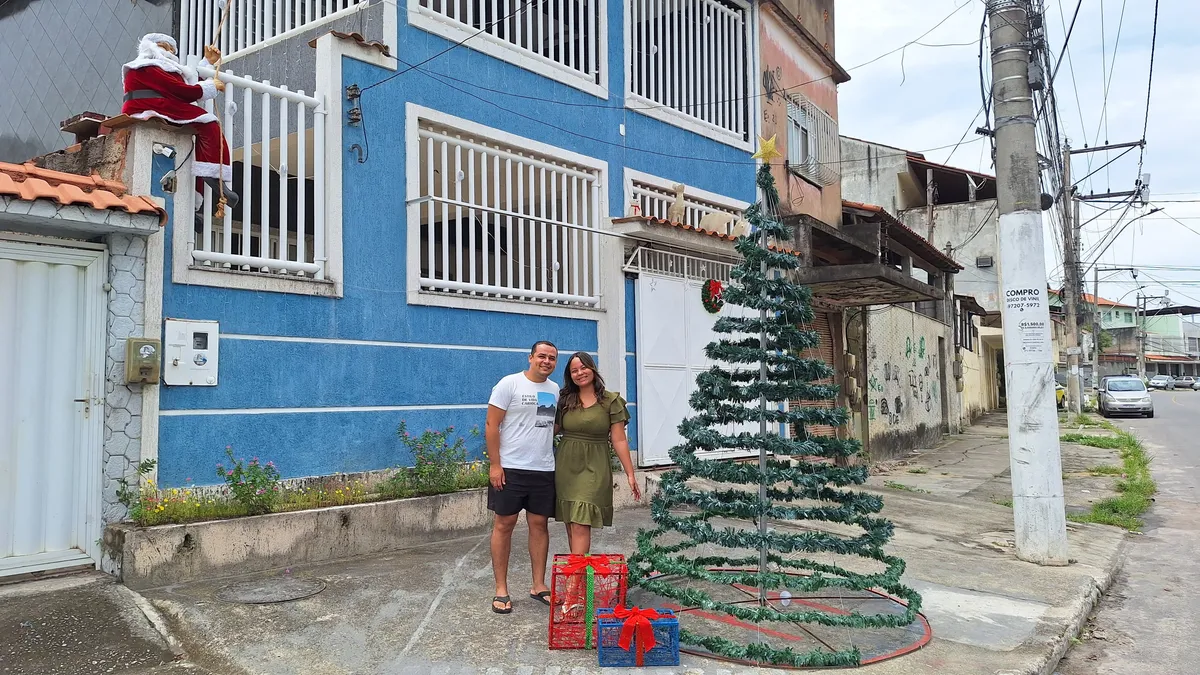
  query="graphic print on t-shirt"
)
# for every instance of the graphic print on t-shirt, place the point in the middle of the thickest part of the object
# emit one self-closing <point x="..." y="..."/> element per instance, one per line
<point x="546" y="405"/>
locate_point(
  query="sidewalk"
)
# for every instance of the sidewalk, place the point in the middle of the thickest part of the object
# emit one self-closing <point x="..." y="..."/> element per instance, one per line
<point x="81" y="624"/>
<point x="425" y="609"/>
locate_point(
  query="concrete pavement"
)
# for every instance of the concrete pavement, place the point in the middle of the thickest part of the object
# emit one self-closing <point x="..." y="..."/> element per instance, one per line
<point x="426" y="610"/>
<point x="1148" y="622"/>
<point x="82" y="624"/>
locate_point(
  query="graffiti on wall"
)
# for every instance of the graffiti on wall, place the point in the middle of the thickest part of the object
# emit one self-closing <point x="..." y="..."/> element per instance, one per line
<point x="903" y="386"/>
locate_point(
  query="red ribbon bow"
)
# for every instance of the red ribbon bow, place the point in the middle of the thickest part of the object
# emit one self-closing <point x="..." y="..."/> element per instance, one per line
<point x="637" y="625"/>
<point x="576" y="563"/>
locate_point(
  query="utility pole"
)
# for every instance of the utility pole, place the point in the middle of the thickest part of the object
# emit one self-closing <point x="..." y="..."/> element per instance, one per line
<point x="1141" y="335"/>
<point x="1038" y="507"/>
<point x="1143" y="302"/>
<point x="1096" y="333"/>
<point x="1071" y="286"/>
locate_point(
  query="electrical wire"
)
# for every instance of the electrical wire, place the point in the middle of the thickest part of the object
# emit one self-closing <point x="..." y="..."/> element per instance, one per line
<point x="647" y="151"/>
<point x="1066" y="41"/>
<point x="1149" y="89"/>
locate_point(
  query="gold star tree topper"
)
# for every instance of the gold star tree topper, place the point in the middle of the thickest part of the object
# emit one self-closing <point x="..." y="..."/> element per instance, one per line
<point x="767" y="150"/>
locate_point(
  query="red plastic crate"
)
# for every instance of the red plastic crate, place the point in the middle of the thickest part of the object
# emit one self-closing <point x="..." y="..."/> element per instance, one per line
<point x="572" y="615"/>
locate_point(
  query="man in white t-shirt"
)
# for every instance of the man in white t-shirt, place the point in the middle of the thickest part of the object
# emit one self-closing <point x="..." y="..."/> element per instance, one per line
<point x="520" y="447"/>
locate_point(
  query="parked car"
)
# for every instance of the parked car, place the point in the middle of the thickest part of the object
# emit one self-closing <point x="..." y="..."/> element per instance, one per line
<point x="1162" y="382"/>
<point x="1125" y="396"/>
<point x="1185" y="382"/>
<point x="1196" y="386"/>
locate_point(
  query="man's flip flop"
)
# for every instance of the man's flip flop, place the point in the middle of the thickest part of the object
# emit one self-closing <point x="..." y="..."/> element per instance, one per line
<point x="543" y="597"/>
<point x="503" y="600"/>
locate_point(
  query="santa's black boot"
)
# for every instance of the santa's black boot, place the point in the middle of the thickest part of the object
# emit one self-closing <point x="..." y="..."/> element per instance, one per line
<point x="231" y="198"/>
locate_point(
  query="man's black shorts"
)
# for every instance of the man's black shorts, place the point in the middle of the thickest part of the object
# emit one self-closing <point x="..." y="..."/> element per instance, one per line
<point x="531" y="491"/>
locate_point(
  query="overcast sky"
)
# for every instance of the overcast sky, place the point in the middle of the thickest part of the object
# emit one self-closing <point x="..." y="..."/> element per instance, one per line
<point x="926" y="96"/>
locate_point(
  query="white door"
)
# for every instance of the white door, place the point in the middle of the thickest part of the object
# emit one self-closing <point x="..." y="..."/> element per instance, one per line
<point x="673" y="328"/>
<point x="52" y="330"/>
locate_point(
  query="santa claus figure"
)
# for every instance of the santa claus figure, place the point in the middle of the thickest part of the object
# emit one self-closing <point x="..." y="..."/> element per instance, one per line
<point x="157" y="85"/>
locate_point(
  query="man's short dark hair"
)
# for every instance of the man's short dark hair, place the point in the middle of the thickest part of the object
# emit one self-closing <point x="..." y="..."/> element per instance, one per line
<point x="539" y="343"/>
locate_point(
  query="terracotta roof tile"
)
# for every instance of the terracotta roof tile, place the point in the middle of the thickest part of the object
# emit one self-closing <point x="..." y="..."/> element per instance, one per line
<point x="692" y="228"/>
<point x="28" y="182"/>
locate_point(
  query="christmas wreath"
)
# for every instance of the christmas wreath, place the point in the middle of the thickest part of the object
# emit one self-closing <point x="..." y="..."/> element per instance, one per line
<point x="710" y="295"/>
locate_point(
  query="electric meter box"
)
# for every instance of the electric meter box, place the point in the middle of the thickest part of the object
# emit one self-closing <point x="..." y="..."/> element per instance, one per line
<point x="142" y="360"/>
<point x="190" y="355"/>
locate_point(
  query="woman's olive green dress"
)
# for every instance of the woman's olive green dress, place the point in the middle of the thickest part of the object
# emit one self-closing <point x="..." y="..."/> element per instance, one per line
<point x="582" y="467"/>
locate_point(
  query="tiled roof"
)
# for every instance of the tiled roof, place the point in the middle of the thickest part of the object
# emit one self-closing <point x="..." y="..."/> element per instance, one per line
<point x="28" y="182"/>
<point x="691" y="228"/>
<point x="1090" y="299"/>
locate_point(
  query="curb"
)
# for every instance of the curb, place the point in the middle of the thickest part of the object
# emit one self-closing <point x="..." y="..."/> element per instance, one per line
<point x="1083" y="612"/>
<point x="156" y="620"/>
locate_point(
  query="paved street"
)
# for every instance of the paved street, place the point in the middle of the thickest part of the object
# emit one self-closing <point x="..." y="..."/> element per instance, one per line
<point x="1148" y="621"/>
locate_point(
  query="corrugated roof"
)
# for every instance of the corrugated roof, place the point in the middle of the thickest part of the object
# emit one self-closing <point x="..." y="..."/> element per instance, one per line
<point x="28" y="182"/>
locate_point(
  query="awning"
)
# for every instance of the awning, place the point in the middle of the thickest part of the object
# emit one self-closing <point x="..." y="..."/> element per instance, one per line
<point x="865" y="284"/>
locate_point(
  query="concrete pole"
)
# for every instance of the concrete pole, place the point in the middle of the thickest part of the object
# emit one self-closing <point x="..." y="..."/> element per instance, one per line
<point x="1141" y="335"/>
<point x="1038" y="506"/>
<point x="1071" y="290"/>
<point x="1096" y="332"/>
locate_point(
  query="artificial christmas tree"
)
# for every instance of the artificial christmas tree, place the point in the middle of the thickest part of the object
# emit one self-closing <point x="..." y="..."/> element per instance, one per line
<point x="800" y="481"/>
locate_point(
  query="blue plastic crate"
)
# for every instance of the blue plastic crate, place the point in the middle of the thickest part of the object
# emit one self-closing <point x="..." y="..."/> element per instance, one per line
<point x="666" y="639"/>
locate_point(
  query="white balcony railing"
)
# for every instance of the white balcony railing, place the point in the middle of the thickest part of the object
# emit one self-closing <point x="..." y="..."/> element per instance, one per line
<point x="502" y="222"/>
<point x="692" y="56"/>
<point x="250" y="22"/>
<point x="277" y="141"/>
<point x="655" y="202"/>
<point x="565" y="34"/>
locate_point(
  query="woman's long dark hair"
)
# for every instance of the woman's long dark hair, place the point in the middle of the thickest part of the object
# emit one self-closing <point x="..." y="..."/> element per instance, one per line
<point x="568" y="398"/>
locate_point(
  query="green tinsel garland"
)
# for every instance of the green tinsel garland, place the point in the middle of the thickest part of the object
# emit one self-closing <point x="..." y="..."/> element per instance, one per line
<point x="725" y="397"/>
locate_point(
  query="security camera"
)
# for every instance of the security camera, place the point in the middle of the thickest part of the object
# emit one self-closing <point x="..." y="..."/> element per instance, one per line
<point x="164" y="150"/>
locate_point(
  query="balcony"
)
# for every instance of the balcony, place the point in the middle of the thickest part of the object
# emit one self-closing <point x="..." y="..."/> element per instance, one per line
<point x="252" y="23"/>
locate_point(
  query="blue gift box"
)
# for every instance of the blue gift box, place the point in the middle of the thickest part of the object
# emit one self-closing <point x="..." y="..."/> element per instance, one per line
<point x="665" y="630"/>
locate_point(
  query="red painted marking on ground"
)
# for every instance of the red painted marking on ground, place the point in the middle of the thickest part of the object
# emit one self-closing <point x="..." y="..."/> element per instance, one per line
<point x="733" y="621"/>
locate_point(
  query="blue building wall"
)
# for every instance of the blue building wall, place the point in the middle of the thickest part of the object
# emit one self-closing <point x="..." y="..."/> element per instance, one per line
<point x="321" y="402"/>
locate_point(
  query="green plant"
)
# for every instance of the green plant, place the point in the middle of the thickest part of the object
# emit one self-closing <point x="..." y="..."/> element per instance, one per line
<point x="1106" y="470"/>
<point x="438" y="465"/>
<point x="1004" y="502"/>
<point x="1105" y="442"/>
<point x="902" y="487"/>
<point x="132" y="496"/>
<point x="919" y="469"/>
<point x="1137" y="487"/>
<point x="254" y="485"/>
<point x="330" y="492"/>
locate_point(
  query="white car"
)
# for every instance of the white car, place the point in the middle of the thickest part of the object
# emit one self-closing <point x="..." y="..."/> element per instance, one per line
<point x="1124" y="396"/>
<point x="1162" y="382"/>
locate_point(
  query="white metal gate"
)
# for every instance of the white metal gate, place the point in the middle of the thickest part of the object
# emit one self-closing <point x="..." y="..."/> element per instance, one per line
<point x="52" y="328"/>
<point x="673" y="328"/>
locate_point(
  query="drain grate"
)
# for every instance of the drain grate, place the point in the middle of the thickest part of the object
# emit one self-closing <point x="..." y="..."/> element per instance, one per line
<point x="271" y="590"/>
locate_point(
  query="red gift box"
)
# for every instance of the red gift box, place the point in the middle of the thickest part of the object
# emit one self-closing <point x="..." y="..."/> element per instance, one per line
<point x="578" y="585"/>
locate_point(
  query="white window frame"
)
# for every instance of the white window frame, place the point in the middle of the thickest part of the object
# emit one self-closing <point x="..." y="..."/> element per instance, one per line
<point x="690" y="193"/>
<point x="330" y="53"/>
<point x="813" y="144"/>
<point x="651" y="108"/>
<point x="414" y="114"/>
<point x="457" y="31"/>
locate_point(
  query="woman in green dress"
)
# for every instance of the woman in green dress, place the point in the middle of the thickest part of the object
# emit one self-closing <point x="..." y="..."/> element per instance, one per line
<point x="591" y="421"/>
